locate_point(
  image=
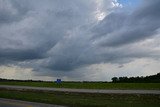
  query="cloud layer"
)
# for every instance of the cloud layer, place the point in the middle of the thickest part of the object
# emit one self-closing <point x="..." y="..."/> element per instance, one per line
<point x="54" y="37"/>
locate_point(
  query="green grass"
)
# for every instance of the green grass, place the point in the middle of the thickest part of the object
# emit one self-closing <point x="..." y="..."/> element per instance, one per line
<point x="84" y="100"/>
<point x="90" y="85"/>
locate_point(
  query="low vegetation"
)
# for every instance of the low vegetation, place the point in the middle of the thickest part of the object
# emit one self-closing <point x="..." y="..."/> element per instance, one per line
<point x="86" y="85"/>
<point x="149" y="82"/>
<point x="84" y="99"/>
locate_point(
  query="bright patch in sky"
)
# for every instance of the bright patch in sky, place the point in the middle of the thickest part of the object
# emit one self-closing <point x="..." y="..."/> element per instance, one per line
<point x="130" y="3"/>
<point x="115" y="3"/>
<point x="100" y="15"/>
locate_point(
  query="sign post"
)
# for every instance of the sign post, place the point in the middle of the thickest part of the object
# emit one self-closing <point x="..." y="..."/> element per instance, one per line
<point x="58" y="81"/>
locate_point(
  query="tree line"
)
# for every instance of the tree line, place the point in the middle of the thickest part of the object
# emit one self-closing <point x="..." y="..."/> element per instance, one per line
<point x="147" y="79"/>
<point x="14" y="80"/>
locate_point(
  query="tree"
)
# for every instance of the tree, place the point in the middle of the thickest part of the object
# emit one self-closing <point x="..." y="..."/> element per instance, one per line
<point x="115" y="79"/>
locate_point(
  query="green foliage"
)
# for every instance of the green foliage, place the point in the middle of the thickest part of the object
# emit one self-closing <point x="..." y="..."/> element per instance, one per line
<point x="84" y="100"/>
<point x="147" y="79"/>
<point x="87" y="85"/>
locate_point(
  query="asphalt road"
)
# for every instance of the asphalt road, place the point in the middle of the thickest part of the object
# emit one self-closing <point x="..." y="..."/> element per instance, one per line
<point x="81" y="90"/>
<point x="18" y="103"/>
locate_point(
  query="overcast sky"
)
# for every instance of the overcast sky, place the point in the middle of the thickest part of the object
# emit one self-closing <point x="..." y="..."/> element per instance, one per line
<point x="79" y="39"/>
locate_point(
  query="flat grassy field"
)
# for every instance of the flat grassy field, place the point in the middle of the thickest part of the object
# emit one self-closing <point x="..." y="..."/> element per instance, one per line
<point x="89" y="85"/>
<point x="83" y="99"/>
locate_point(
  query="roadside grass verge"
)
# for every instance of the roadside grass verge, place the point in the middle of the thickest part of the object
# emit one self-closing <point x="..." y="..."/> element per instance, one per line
<point x="84" y="99"/>
<point x="88" y="85"/>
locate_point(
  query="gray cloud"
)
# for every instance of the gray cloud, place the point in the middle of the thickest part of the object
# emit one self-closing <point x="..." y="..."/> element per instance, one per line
<point x="121" y="28"/>
<point x="12" y="10"/>
<point x="51" y="36"/>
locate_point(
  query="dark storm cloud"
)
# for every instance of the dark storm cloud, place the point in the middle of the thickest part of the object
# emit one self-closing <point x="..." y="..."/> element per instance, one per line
<point x="21" y="55"/>
<point x="118" y="28"/>
<point x="65" y="35"/>
<point x="28" y="30"/>
<point x="12" y="10"/>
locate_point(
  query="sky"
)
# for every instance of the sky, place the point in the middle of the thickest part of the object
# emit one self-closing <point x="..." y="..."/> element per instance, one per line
<point x="79" y="40"/>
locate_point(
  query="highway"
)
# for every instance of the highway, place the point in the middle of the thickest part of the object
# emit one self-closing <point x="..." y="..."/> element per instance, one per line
<point x="18" y="103"/>
<point x="108" y="91"/>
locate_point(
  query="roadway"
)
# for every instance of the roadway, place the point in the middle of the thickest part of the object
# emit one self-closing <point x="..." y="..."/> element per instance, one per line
<point x="108" y="91"/>
<point x="17" y="103"/>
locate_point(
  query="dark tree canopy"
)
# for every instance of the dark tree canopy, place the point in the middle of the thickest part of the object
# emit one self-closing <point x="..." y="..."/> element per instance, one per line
<point x="147" y="79"/>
